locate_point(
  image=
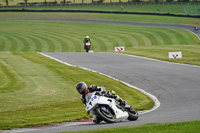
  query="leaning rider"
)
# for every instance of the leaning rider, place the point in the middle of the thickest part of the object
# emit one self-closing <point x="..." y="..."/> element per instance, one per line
<point x="83" y="89"/>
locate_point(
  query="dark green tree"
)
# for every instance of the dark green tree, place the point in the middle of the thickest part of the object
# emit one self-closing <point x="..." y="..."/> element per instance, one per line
<point x="26" y="1"/>
<point x="169" y="0"/>
<point x="183" y="0"/>
<point x="136" y="0"/>
<point x="6" y="2"/>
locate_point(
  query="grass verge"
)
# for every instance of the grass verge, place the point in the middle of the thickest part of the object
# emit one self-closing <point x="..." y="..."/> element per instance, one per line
<point x="179" y="127"/>
<point x="191" y="53"/>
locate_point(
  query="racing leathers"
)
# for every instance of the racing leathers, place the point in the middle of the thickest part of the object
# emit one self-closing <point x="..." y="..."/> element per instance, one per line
<point x="102" y="90"/>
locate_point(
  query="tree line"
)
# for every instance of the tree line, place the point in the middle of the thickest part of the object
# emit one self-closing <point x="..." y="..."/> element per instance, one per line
<point x="101" y="1"/>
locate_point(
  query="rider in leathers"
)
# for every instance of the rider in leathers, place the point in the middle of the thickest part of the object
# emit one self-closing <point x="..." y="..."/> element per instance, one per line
<point x="85" y="40"/>
<point x="83" y="89"/>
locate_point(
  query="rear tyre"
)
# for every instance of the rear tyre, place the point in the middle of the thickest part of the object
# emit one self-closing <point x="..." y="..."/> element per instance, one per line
<point x="133" y="114"/>
<point x="105" y="113"/>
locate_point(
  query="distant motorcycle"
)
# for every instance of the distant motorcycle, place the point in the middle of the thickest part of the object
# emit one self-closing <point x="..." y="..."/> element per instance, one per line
<point x="87" y="46"/>
<point x="108" y="110"/>
<point x="195" y="28"/>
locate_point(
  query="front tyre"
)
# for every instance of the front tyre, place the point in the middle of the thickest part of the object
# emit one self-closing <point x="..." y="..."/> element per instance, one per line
<point x="87" y="48"/>
<point x="105" y="113"/>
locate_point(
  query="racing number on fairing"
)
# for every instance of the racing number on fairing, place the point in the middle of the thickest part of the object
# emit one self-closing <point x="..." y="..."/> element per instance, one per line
<point x="92" y="99"/>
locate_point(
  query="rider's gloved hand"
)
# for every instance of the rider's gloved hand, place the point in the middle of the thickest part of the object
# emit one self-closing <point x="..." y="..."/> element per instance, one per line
<point x="83" y="100"/>
<point x="98" y="93"/>
<point x="103" y="92"/>
<point x="122" y="102"/>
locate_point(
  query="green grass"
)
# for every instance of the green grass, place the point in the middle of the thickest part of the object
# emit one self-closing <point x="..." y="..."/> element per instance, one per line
<point x="191" y="53"/>
<point x="183" y="9"/>
<point x="153" y="42"/>
<point x="179" y="127"/>
<point x="38" y="36"/>
<point x="35" y="90"/>
<point x="42" y="91"/>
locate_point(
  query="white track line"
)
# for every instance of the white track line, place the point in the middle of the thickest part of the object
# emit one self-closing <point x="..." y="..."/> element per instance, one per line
<point x="158" y="60"/>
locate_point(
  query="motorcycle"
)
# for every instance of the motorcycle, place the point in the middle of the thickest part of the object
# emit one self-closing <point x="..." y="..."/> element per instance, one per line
<point x="87" y="46"/>
<point x="108" y="109"/>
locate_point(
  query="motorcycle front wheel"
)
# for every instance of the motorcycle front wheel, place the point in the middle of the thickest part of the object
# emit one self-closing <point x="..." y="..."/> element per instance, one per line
<point x="105" y="113"/>
<point x="87" y="48"/>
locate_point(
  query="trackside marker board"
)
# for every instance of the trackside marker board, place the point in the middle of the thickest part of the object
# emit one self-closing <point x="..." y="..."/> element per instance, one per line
<point x="174" y="55"/>
<point x="119" y="49"/>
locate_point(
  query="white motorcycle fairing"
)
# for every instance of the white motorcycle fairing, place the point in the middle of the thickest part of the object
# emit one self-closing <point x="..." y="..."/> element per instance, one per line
<point x="95" y="101"/>
<point x="87" y="43"/>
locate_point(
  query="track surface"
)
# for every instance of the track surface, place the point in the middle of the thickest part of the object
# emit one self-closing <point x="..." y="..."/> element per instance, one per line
<point x="176" y="86"/>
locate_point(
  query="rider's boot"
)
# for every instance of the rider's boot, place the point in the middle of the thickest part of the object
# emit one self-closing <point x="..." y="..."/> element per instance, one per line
<point x="96" y="119"/>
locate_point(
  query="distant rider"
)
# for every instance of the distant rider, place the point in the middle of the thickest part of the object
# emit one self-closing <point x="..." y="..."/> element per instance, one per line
<point x="83" y="89"/>
<point x="85" y="40"/>
<point x="195" y="28"/>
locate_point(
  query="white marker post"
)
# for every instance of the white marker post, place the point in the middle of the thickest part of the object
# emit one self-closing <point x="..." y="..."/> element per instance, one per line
<point x="174" y="55"/>
<point x="119" y="49"/>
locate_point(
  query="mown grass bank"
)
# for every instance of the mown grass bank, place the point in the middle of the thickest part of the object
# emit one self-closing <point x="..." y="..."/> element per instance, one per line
<point x="181" y="127"/>
<point x="61" y="36"/>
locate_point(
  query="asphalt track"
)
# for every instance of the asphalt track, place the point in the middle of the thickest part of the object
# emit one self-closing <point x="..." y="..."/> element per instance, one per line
<point x="176" y="86"/>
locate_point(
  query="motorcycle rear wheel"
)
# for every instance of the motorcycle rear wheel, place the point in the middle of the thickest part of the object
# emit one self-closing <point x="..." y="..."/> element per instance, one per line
<point x="107" y="117"/>
<point x="133" y="114"/>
